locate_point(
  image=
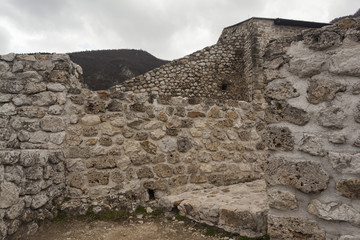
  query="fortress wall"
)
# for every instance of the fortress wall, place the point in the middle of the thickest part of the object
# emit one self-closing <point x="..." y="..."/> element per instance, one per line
<point x="253" y="106"/>
<point x="313" y="134"/>
<point x="34" y="115"/>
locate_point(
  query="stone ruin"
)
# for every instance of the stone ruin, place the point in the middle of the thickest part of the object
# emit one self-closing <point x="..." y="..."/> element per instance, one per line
<point x="256" y="134"/>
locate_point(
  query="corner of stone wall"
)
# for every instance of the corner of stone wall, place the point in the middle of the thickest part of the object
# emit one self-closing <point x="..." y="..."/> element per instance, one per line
<point x="33" y="120"/>
<point x="312" y="134"/>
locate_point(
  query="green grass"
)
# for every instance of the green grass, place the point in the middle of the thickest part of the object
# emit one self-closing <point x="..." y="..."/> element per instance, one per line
<point x="140" y="210"/>
<point x="179" y="217"/>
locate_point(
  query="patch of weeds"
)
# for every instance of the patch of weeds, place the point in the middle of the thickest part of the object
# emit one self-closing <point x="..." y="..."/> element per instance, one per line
<point x="157" y="213"/>
<point x="140" y="210"/>
<point x="210" y="232"/>
<point x="106" y="215"/>
<point x="61" y="217"/>
<point x="179" y="217"/>
<point x="66" y="199"/>
<point x="169" y="218"/>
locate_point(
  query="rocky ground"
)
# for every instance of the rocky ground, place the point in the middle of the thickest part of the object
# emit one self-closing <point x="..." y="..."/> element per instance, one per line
<point x="134" y="227"/>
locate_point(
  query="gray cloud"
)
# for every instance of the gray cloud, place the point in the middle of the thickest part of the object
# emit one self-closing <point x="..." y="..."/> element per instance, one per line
<point x="167" y="29"/>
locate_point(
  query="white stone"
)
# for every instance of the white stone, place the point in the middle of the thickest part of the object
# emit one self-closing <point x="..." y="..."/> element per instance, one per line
<point x="55" y="87"/>
<point x="168" y="144"/>
<point x="9" y="194"/>
<point x="8" y="109"/>
<point x="335" y="211"/>
<point x="90" y="120"/>
<point x="157" y="134"/>
<point x="225" y="207"/>
<point x="8" y="57"/>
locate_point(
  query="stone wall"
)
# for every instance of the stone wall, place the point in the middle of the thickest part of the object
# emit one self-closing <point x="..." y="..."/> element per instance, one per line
<point x="266" y="102"/>
<point x="313" y="133"/>
<point x="34" y="115"/>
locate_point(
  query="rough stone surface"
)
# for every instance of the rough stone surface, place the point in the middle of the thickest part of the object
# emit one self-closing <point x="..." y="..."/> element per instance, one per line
<point x="346" y="163"/>
<point x="240" y="208"/>
<point x="306" y="176"/>
<point x="294" y="228"/>
<point x="350" y="188"/>
<point x="332" y="117"/>
<point x="322" y="88"/>
<point x="279" y="138"/>
<point x="313" y="145"/>
<point x="52" y="124"/>
<point x="280" y="90"/>
<point x="334" y="211"/>
<point x="282" y="200"/>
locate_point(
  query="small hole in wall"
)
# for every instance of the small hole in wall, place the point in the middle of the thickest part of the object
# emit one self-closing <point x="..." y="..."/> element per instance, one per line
<point x="151" y="194"/>
<point x="224" y="86"/>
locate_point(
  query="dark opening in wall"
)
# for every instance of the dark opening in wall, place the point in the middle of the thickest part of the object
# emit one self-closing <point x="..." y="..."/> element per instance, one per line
<point x="224" y="86"/>
<point x="151" y="194"/>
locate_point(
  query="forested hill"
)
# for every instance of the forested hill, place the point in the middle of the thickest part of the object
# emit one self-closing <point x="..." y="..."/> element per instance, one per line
<point x="357" y="14"/>
<point x="105" y="68"/>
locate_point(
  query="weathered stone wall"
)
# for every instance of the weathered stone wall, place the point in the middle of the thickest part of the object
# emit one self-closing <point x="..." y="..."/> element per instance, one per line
<point x="266" y="102"/>
<point x="33" y="119"/>
<point x="313" y="134"/>
<point x="130" y="148"/>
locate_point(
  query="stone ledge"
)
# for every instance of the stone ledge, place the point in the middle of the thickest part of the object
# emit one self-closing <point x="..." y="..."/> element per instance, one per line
<point x="240" y="208"/>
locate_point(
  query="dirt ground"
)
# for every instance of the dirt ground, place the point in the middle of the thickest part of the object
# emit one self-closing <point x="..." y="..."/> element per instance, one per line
<point x="135" y="228"/>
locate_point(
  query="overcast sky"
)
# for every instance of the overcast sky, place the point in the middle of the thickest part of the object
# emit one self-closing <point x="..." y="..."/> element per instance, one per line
<point x="168" y="29"/>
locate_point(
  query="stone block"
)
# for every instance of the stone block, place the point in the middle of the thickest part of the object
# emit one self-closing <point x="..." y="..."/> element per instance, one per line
<point x="44" y="99"/>
<point x="279" y="138"/>
<point x="9" y="157"/>
<point x="323" y="88"/>
<point x="140" y="159"/>
<point x="95" y="107"/>
<point x="211" y="144"/>
<point x="149" y="147"/>
<point x="157" y="134"/>
<point x="52" y="124"/>
<point x="335" y="211"/>
<point x="282" y="200"/>
<point x="160" y="185"/>
<point x="178" y="181"/>
<point x="346" y="163"/>
<point x="313" y="145"/>
<point x="215" y="112"/>
<point x="137" y="124"/>
<point x="350" y="188"/>
<point x="96" y="178"/>
<point x="284" y="228"/>
<point x="16" y="210"/>
<point x="90" y="120"/>
<point x="137" y="107"/>
<point x="32" y="87"/>
<point x="307" y="66"/>
<point x="184" y="144"/>
<point x="105" y="141"/>
<point x="39" y="200"/>
<point x="7" y="109"/>
<point x="332" y="117"/>
<point x="168" y="144"/>
<point x="345" y="62"/>
<point x="282" y="111"/>
<point x="115" y="106"/>
<point x="163" y="170"/>
<point x="240" y="208"/>
<point x="103" y="162"/>
<point x="196" y="114"/>
<point x="306" y="176"/>
<point x="77" y="152"/>
<point x="280" y="89"/>
<point x="9" y="194"/>
<point x="144" y="172"/>
<point x="337" y="139"/>
<point x="162" y="116"/>
<point x="90" y="131"/>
